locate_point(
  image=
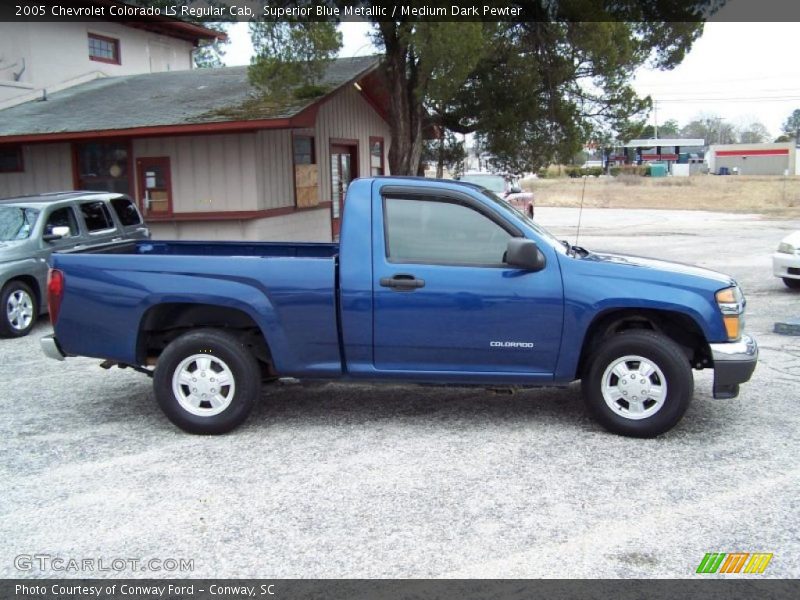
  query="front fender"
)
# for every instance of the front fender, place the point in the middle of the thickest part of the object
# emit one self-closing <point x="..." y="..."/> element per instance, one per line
<point x="592" y="292"/>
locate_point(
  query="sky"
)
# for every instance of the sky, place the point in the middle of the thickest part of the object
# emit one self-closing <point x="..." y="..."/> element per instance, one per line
<point x="742" y="72"/>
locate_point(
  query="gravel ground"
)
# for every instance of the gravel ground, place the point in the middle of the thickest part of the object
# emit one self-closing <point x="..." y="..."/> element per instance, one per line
<point x="330" y="480"/>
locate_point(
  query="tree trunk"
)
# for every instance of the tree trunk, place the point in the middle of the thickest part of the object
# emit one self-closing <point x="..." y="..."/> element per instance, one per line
<point x="440" y="158"/>
<point x="405" y="110"/>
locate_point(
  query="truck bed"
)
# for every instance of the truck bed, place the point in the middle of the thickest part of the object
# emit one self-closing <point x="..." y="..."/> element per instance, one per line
<point x="288" y="290"/>
<point x="192" y="248"/>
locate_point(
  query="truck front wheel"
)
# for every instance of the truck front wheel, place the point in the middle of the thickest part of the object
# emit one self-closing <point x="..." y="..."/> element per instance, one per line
<point x="207" y="382"/>
<point x="638" y="383"/>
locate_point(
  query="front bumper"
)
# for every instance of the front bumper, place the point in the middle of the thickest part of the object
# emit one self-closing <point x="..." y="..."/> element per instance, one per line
<point x="734" y="363"/>
<point x="51" y="348"/>
<point x="786" y="265"/>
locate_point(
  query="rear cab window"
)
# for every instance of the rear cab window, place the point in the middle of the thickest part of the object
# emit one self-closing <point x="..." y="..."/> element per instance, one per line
<point x="97" y="217"/>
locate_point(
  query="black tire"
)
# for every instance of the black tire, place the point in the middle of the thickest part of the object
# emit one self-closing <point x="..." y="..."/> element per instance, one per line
<point x="661" y="352"/>
<point x="222" y="350"/>
<point x="793" y="284"/>
<point x="530" y="211"/>
<point x="13" y="326"/>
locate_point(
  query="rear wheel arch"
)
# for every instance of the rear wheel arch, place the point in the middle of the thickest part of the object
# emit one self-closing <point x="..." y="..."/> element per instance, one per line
<point x="163" y="323"/>
<point x="679" y="327"/>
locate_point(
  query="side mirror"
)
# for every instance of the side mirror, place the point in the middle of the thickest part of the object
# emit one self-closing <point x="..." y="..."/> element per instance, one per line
<point x="515" y="189"/>
<point x="524" y="254"/>
<point x="56" y="234"/>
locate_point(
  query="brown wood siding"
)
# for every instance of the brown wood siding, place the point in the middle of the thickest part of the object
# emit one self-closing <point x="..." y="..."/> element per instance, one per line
<point x="48" y="168"/>
<point x="276" y="171"/>
<point x="209" y="173"/>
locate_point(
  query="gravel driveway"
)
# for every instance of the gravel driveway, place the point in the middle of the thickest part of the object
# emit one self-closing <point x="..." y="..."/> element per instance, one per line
<point x="328" y="480"/>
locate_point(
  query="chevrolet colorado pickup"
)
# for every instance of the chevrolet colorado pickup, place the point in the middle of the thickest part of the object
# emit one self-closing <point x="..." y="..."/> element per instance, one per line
<point x="432" y="282"/>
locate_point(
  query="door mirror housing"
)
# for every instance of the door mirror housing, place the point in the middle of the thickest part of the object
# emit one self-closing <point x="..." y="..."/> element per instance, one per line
<point x="56" y="234"/>
<point x="524" y="254"/>
<point x="514" y="189"/>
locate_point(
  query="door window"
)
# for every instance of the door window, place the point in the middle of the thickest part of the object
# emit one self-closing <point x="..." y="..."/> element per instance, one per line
<point x="96" y="216"/>
<point x="155" y="187"/>
<point x="63" y="217"/>
<point x="441" y="232"/>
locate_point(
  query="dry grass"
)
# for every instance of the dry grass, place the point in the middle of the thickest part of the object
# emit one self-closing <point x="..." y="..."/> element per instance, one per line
<point x="773" y="196"/>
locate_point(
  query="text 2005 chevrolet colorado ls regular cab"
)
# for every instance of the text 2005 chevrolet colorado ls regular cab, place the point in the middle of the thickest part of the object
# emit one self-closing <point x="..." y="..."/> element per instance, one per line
<point x="432" y="282"/>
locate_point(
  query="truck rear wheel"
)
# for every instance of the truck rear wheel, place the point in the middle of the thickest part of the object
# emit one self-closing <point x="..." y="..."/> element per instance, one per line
<point x="638" y="383"/>
<point x="207" y="382"/>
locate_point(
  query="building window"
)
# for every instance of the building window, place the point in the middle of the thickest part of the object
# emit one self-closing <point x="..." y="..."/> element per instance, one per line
<point x="376" y="156"/>
<point x="306" y="173"/>
<point x="304" y="150"/>
<point x="103" y="166"/>
<point x="103" y="49"/>
<point x="11" y="159"/>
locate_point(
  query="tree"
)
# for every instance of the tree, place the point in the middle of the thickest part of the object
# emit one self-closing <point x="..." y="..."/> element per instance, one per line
<point x="712" y="129"/>
<point x="531" y="91"/>
<point x="291" y="57"/>
<point x="791" y="126"/>
<point x="446" y="152"/>
<point x="669" y="128"/>
<point x="753" y="133"/>
<point x="211" y="55"/>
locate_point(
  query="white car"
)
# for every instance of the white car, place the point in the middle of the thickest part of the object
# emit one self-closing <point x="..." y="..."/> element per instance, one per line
<point x="786" y="261"/>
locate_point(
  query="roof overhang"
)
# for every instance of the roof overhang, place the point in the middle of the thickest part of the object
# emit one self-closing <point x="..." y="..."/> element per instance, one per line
<point x="302" y="120"/>
<point x="368" y="82"/>
<point x="169" y="26"/>
<point x="659" y="142"/>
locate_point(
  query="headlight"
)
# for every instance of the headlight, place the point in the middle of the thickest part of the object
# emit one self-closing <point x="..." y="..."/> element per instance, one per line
<point x="731" y="303"/>
<point x="785" y="248"/>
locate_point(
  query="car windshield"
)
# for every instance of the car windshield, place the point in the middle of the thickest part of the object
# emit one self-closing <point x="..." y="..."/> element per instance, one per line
<point x="494" y="183"/>
<point x="16" y="223"/>
<point x="546" y="235"/>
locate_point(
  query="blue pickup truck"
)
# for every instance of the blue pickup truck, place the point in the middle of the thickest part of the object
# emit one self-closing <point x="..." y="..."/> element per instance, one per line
<point x="433" y="282"/>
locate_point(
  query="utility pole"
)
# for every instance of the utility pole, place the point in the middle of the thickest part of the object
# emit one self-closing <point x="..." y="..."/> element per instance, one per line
<point x="655" y="118"/>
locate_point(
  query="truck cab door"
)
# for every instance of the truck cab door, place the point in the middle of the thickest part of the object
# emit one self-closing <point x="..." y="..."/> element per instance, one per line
<point x="443" y="299"/>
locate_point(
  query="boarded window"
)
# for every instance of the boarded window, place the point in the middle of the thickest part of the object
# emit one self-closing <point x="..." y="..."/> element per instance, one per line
<point x="306" y="172"/>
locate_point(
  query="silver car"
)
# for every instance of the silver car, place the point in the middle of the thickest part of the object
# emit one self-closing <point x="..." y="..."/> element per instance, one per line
<point x="33" y="227"/>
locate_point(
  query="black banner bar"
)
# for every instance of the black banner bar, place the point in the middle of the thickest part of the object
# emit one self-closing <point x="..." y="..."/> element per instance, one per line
<point x="202" y="11"/>
<point x="739" y="588"/>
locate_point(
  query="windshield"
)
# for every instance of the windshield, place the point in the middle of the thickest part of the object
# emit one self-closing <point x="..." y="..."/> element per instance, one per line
<point x="541" y="231"/>
<point x="16" y="223"/>
<point x="494" y="183"/>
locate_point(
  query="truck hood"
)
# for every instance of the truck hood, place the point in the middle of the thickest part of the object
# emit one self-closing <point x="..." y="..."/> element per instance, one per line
<point x="664" y="266"/>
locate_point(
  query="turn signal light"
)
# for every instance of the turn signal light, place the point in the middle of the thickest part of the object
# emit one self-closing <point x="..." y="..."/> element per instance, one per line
<point x="732" y="326"/>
